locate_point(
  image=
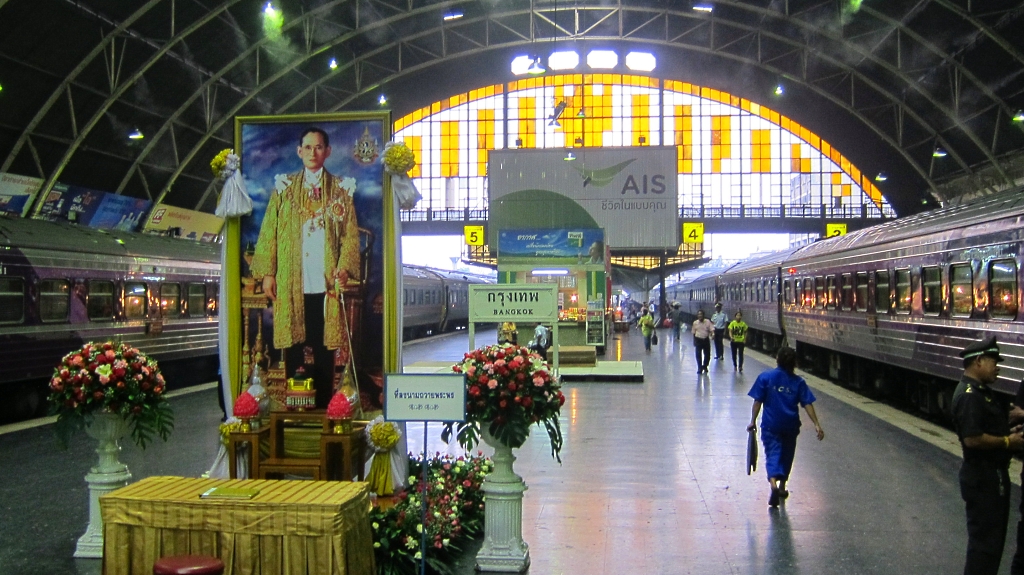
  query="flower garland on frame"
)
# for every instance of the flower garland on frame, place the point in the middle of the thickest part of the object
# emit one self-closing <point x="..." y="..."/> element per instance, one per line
<point x="398" y="160"/>
<point x="382" y="436"/>
<point x="234" y="198"/>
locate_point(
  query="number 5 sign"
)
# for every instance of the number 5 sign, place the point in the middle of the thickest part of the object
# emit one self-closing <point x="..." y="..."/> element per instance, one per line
<point x="474" y="235"/>
<point x="693" y="233"/>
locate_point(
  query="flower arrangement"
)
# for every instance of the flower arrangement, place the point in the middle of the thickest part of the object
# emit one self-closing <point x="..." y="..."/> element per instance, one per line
<point x="455" y="511"/>
<point x="224" y="164"/>
<point x="246" y="406"/>
<point x="382" y="436"/>
<point x="509" y="389"/>
<point x="398" y="158"/>
<point x="339" y="407"/>
<point x="111" y="377"/>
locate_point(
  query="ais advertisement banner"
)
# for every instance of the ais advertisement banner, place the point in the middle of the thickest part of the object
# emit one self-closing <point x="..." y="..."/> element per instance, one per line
<point x="93" y="208"/>
<point x="194" y="225"/>
<point x="17" y="193"/>
<point x="630" y="192"/>
<point x="573" y="247"/>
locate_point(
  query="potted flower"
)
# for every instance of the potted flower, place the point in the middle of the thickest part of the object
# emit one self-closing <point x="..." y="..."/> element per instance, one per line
<point x="508" y="390"/>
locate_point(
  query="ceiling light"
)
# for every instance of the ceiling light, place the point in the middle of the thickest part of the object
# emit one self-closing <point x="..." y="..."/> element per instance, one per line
<point x="383" y="100"/>
<point x="939" y="153"/>
<point x="551" y="272"/>
<point x="581" y="114"/>
<point x="269" y="9"/>
<point x="135" y="135"/>
<point x="579" y="141"/>
<point x="519" y="142"/>
<point x="779" y="90"/>
<point x="703" y="7"/>
<point x="569" y="157"/>
<point x="333" y="65"/>
<point x="567" y="60"/>
<point x="557" y="114"/>
<point x="641" y="61"/>
<point x="535" y="67"/>
<point x="1018" y="116"/>
<point x="602" y="59"/>
<point x="881" y="177"/>
<point x="452" y="16"/>
<point x="521" y="65"/>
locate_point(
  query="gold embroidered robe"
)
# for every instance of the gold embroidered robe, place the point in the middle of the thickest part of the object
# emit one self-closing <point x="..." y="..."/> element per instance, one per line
<point x="279" y="254"/>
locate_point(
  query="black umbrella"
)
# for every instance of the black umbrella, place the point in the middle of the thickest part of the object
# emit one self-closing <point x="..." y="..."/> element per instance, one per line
<point x="751" y="451"/>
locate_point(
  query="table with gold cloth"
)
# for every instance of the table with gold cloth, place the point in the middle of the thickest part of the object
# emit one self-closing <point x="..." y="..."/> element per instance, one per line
<point x="290" y="527"/>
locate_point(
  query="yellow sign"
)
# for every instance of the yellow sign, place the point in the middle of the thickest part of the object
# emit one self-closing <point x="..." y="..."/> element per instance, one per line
<point x="835" y="230"/>
<point x="693" y="233"/>
<point x="474" y="235"/>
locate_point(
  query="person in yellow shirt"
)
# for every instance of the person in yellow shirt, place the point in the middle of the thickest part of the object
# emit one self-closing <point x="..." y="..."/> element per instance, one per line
<point x="646" y="324"/>
<point x="738" y="339"/>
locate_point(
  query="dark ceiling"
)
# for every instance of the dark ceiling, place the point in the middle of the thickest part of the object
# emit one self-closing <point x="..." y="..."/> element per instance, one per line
<point x="885" y="81"/>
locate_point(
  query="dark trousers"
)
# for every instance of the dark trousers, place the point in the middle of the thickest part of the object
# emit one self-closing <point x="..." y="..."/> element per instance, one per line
<point x="737" y="349"/>
<point x="985" y="489"/>
<point x="322" y="370"/>
<point x="1017" y="566"/>
<point x="719" y="347"/>
<point x="702" y="351"/>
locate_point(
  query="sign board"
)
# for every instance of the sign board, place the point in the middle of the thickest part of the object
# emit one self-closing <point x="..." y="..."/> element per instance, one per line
<point x="474" y="235"/>
<point x="630" y="192"/>
<point x="693" y="233"/>
<point x="425" y="397"/>
<point x="513" y="302"/>
<point x="17" y="193"/>
<point x="595" y="323"/>
<point x="93" y="208"/>
<point x="194" y="225"/>
<point x="835" y="230"/>
<point x="579" y="247"/>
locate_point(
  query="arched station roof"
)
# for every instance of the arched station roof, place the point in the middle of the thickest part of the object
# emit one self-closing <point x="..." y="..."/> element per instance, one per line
<point x="888" y="82"/>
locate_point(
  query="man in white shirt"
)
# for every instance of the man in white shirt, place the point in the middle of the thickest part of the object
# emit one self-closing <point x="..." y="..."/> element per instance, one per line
<point x="702" y="332"/>
<point x="306" y="254"/>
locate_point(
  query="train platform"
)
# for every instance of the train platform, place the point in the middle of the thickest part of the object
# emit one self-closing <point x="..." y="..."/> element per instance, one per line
<point x="652" y="480"/>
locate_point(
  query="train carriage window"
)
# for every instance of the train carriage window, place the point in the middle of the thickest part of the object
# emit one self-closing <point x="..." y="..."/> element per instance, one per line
<point x="847" y="291"/>
<point x="12" y="300"/>
<point x="100" y="304"/>
<point x="196" y="300"/>
<point x="170" y="305"/>
<point x="1002" y="286"/>
<point x="883" y="295"/>
<point x="214" y="301"/>
<point x="961" y="286"/>
<point x="819" y="292"/>
<point x="931" y="299"/>
<point x="861" y="300"/>
<point x="830" y="289"/>
<point x="54" y="300"/>
<point x="799" y="291"/>
<point x="787" y="290"/>
<point x="758" y="291"/>
<point x="773" y="294"/>
<point x="903" y="295"/>
<point x="135" y="301"/>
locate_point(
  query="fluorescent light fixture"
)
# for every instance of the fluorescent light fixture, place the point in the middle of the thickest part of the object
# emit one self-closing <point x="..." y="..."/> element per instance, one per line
<point x="551" y="272"/>
<point x="641" y="61"/>
<point x="939" y="153"/>
<point x="269" y="9"/>
<point x="452" y="16"/>
<point x="1018" y="116"/>
<point x="569" y="157"/>
<point x="567" y="60"/>
<point x="881" y="177"/>
<point x="383" y="99"/>
<point x="535" y="67"/>
<point x="333" y="65"/>
<point x="703" y="7"/>
<point x="521" y="65"/>
<point x="135" y="135"/>
<point x="602" y="59"/>
<point x="779" y="90"/>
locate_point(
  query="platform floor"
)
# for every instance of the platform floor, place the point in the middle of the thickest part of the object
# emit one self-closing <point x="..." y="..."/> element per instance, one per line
<point x="652" y="480"/>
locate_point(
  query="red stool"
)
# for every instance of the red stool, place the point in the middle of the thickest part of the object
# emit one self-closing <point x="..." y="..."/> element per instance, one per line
<point x="188" y="565"/>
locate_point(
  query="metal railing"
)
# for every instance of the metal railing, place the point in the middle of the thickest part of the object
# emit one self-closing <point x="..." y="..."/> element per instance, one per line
<point x="823" y="212"/>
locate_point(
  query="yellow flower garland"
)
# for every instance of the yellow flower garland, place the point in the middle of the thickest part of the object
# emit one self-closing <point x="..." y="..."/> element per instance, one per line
<point x="383" y="436"/>
<point x="398" y="158"/>
<point x="220" y="161"/>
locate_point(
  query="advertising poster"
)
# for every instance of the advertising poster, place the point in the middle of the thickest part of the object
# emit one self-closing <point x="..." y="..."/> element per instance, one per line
<point x="629" y="192"/>
<point x="198" y="226"/>
<point x="17" y="193"/>
<point x="92" y="208"/>
<point x="572" y="247"/>
<point x="312" y="257"/>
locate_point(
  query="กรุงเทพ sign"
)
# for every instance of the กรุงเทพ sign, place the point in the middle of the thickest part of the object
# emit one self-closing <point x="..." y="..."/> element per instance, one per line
<point x="511" y="302"/>
<point x="425" y="397"/>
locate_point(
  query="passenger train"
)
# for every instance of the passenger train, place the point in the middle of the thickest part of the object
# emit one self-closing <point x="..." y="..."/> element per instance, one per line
<point x="62" y="285"/>
<point x="887" y="309"/>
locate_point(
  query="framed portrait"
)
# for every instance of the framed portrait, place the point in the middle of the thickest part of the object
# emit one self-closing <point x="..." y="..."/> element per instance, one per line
<point x="314" y="263"/>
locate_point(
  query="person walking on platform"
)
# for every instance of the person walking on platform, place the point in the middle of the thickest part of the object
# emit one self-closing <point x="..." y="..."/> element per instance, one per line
<point x="719" y="319"/>
<point x="781" y="392"/>
<point x="676" y="317"/>
<point x="737" y="339"/>
<point x="646" y="325"/>
<point x="983" y="426"/>
<point x="702" y="332"/>
<point x="1017" y="417"/>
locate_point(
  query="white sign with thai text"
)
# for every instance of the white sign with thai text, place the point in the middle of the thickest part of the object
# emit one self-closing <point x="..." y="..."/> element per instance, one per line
<point x="425" y="397"/>
<point x="513" y="302"/>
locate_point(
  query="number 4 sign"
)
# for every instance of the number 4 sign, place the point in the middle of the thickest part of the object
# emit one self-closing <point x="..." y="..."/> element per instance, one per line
<point x="693" y="233"/>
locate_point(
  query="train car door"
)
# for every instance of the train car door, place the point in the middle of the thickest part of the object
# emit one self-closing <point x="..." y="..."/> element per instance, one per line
<point x="445" y="294"/>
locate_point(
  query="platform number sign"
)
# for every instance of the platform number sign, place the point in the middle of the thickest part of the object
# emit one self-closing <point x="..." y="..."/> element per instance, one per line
<point x="835" y="230"/>
<point x="693" y="233"/>
<point x="474" y="235"/>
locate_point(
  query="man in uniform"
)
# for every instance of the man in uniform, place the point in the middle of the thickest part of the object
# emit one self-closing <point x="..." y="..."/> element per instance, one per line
<point x="720" y="321"/>
<point x="983" y="426"/>
<point x="307" y="252"/>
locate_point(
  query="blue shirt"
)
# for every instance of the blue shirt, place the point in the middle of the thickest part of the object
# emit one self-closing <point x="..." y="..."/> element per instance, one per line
<point x="781" y="396"/>
<point x="719" y="319"/>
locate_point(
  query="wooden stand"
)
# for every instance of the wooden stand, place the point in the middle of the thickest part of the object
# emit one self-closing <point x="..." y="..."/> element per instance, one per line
<point x="352" y="459"/>
<point x="252" y="439"/>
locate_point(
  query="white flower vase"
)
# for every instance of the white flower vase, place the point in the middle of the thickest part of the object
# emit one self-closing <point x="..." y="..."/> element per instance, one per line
<point x="503" y="549"/>
<point x="106" y="476"/>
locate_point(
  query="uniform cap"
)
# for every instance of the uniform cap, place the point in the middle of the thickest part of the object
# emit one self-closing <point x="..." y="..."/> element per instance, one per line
<point x="979" y="348"/>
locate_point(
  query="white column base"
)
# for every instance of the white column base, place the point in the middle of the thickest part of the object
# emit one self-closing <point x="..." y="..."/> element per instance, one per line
<point x="504" y="550"/>
<point x="90" y="545"/>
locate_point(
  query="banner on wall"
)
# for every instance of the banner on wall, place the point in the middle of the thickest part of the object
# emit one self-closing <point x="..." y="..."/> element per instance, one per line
<point x="579" y="246"/>
<point x="629" y="192"/>
<point x="194" y="225"/>
<point x="92" y="208"/>
<point x="17" y="193"/>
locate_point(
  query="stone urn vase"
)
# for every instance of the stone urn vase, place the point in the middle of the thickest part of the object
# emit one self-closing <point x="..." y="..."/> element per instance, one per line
<point x="503" y="549"/>
<point x="106" y="476"/>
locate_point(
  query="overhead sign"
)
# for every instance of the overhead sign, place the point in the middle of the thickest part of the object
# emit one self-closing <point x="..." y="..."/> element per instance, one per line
<point x="693" y="233"/>
<point x="474" y="235"/>
<point x="581" y="247"/>
<point x="93" y="208"/>
<point x="193" y="225"/>
<point x="835" y="230"/>
<point x="630" y="192"/>
<point x="513" y="302"/>
<point x="17" y="193"/>
<point x="425" y="397"/>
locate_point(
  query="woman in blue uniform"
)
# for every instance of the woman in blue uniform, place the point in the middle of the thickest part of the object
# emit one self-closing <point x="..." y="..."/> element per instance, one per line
<point x="782" y="393"/>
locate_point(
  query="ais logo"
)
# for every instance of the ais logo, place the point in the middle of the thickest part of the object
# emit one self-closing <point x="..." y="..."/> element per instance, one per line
<point x="602" y="177"/>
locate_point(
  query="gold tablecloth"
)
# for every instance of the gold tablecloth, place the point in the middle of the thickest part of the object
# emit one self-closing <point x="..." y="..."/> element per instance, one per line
<point x="290" y="527"/>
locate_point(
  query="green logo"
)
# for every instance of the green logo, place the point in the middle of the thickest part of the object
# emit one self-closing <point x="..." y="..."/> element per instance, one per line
<point x="602" y="177"/>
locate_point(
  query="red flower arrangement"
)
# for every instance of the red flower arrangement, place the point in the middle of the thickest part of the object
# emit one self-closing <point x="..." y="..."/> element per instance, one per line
<point x="509" y="389"/>
<point x="246" y="406"/>
<point x="339" y="407"/>
<point x="114" y="378"/>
